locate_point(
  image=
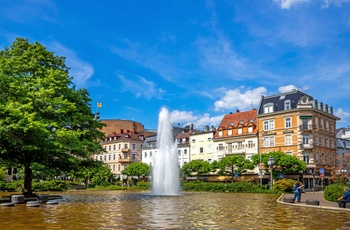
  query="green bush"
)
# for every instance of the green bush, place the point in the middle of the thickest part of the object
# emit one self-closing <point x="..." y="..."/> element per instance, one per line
<point x="284" y="185"/>
<point x="12" y="186"/>
<point x="334" y="191"/>
<point x="247" y="187"/>
<point x="143" y="185"/>
<point x="54" y="185"/>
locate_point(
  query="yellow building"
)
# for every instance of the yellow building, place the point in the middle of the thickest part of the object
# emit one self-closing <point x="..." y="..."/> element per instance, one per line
<point x="298" y="125"/>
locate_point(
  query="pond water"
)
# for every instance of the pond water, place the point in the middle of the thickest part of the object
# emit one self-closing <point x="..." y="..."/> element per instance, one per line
<point x="138" y="210"/>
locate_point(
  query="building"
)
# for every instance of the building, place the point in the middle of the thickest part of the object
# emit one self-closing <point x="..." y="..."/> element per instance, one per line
<point x="202" y="145"/>
<point x="237" y="134"/>
<point x="117" y="125"/>
<point x="297" y="124"/>
<point x="343" y="150"/>
<point x="183" y="147"/>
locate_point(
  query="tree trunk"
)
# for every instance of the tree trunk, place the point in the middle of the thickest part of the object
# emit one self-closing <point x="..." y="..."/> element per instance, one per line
<point x="28" y="176"/>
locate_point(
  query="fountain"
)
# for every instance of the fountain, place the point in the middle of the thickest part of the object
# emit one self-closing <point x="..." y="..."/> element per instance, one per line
<point x="165" y="173"/>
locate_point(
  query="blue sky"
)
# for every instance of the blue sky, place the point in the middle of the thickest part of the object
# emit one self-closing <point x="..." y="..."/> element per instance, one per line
<point x="200" y="59"/>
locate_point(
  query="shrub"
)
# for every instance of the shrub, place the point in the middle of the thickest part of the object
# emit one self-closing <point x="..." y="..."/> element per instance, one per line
<point x="284" y="185"/>
<point x="334" y="191"/>
<point x="12" y="186"/>
<point x="54" y="185"/>
<point x="143" y="185"/>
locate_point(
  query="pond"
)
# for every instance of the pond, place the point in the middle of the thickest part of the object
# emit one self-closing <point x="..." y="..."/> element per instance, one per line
<point x="138" y="210"/>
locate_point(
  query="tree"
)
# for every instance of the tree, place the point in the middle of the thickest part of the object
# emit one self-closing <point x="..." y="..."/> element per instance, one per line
<point x="43" y="117"/>
<point x="234" y="164"/>
<point x="138" y="169"/>
<point x="195" y="168"/>
<point x="283" y="163"/>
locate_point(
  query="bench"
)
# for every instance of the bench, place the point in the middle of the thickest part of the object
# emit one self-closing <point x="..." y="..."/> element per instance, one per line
<point x="313" y="202"/>
<point x="77" y="186"/>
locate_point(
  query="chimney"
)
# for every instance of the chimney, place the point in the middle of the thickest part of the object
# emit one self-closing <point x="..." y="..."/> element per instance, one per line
<point x="191" y="126"/>
<point x="121" y="131"/>
<point x="237" y="110"/>
<point x="207" y="128"/>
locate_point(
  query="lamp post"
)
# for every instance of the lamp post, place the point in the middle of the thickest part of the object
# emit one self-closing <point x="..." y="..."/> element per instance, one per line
<point x="271" y="162"/>
<point x="260" y="171"/>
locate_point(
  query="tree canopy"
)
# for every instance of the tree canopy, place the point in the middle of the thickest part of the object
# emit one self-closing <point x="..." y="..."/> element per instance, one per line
<point x="43" y="117"/>
<point x="137" y="169"/>
<point x="234" y="164"/>
<point x="195" y="168"/>
<point x="283" y="163"/>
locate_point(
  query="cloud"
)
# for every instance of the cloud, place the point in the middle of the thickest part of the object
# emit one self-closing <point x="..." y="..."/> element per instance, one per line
<point x="243" y="101"/>
<point x="328" y="3"/>
<point x="141" y="87"/>
<point x="287" y="88"/>
<point x="79" y="69"/>
<point x="342" y="114"/>
<point x="199" y="121"/>
<point x="287" y="4"/>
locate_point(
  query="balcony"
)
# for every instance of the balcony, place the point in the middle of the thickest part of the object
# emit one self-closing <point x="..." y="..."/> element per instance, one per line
<point x="125" y="160"/>
<point x="306" y="127"/>
<point x="236" y="151"/>
<point x="309" y="145"/>
<point x="125" y="150"/>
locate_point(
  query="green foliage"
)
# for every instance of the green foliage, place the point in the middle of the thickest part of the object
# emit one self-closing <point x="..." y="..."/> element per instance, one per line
<point x="195" y="168"/>
<point x="44" y="119"/>
<point x="54" y="185"/>
<point x="334" y="191"/>
<point x="246" y="187"/>
<point x="3" y="173"/>
<point x="102" y="176"/>
<point x="283" y="163"/>
<point x="138" y="169"/>
<point x="143" y="185"/>
<point x="13" y="186"/>
<point x="284" y="185"/>
<point x="231" y="164"/>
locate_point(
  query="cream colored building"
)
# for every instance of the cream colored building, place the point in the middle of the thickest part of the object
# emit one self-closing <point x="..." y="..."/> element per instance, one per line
<point x="202" y="145"/>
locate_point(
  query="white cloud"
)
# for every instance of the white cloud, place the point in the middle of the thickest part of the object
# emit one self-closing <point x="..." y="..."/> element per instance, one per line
<point x="287" y="4"/>
<point x="235" y="99"/>
<point x="141" y="87"/>
<point x="342" y="114"/>
<point x="79" y="69"/>
<point x="328" y="3"/>
<point x="287" y="88"/>
<point x="199" y="121"/>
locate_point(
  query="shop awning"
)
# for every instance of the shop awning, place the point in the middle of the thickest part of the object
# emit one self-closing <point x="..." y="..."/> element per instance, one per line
<point x="305" y="117"/>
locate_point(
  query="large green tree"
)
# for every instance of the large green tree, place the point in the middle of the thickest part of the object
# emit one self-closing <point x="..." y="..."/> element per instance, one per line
<point x="234" y="164"/>
<point x="283" y="163"/>
<point x="43" y="117"/>
<point x="195" y="168"/>
<point x="137" y="169"/>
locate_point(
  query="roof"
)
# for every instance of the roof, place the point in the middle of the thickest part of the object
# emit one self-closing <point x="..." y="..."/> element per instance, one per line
<point x="279" y="99"/>
<point x="246" y="117"/>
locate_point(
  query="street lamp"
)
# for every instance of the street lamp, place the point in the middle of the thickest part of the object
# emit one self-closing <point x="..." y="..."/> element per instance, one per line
<point x="260" y="171"/>
<point x="271" y="162"/>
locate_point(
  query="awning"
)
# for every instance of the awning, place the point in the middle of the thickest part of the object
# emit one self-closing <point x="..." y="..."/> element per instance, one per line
<point x="305" y="117"/>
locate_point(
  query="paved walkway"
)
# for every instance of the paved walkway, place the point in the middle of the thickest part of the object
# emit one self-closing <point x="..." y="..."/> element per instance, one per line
<point x="312" y="196"/>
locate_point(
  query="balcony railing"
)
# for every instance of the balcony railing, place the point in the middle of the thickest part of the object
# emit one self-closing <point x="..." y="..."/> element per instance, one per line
<point x="125" y="160"/>
<point x="307" y="146"/>
<point x="125" y="150"/>
<point x="306" y="127"/>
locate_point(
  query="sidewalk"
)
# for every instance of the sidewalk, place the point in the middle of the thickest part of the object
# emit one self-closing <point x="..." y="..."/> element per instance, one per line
<point x="312" y="196"/>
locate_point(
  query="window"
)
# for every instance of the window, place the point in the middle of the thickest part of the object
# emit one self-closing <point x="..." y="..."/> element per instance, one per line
<point x="239" y="145"/>
<point x="327" y="142"/>
<point x="183" y="140"/>
<point x="316" y="122"/>
<point x="201" y="150"/>
<point x="134" y="156"/>
<point x="100" y="158"/>
<point x="322" y="141"/>
<point x="96" y="157"/>
<point x="133" y="146"/>
<point x="288" y="139"/>
<point x="322" y="123"/>
<point x="316" y="139"/>
<point x="114" y="157"/>
<point x="114" y="147"/>
<point x="289" y="153"/>
<point x="125" y="146"/>
<point x="305" y="139"/>
<point x="269" y="125"/>
<point x="113" y="168"/>
<point x="268" y="108"/>
<point x="209" y="160"/>
<point x="240" y="131"/>
<point x="288" y="122"/>
<point x="150" y="153"/>
<point x="317" y="158"/>
<point x="185" y="151"/>
<point x="178" y="141"/>
<point x="327" y="125"/>
<point x="105" y="147"/>
<point x="109" y="157"/>
<point x="287" y="105"/>
<point x="229" y="147"/>
<point x="221" y="147"/>
<point x="179" y="152"/>
<point x="229" y="132"/>
<point x="306" y="158"/>
<point x="250" y="129"/>
<point x="125" y="156"/>
<point x="109" y="147"/>
<point x="118" y="167"/>
<point x="250" y="144"/>
<point x="145" y="154"/>
<point x="269" y="141"/>
<point x="220" y="133"/>
<point x="119" y="146"/>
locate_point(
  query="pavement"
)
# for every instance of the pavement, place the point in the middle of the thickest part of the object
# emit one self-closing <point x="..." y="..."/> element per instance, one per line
<point x="318" y="195"/>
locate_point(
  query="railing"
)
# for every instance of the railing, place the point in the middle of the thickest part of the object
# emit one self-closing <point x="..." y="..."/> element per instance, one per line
<point x="125" y="150"/>
<point x="307" y="146"/>
<point x="125" y="160"/>
<point x="307" y="127"/>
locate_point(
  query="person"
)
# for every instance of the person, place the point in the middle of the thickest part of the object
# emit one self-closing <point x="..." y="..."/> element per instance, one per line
<point x="345" y="198"/>
<point x="297" y="191"/>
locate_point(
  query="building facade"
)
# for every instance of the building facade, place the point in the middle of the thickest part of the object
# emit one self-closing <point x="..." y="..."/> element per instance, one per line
<point x="298" y="125"/>
<point x="202" y="145"/>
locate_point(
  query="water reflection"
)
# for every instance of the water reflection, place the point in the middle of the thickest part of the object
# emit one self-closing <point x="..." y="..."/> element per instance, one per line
<point x="125" y="210"/>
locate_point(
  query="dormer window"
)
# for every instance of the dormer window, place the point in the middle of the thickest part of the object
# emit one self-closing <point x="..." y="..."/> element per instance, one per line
<point x="231" y="123"/>
<point x="250" y="129"/>
<point x="250" y="120"/>
<point x="220" y="133"/>
<point x="241" y="122"/>
<point x="287" y="105"/>
<point x="268" y="108"/>
<point x="229" y="132"/>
